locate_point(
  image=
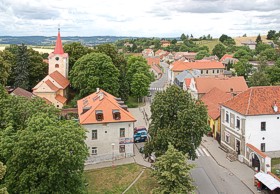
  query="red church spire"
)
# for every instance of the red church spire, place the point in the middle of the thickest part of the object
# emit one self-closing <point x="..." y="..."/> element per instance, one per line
<point x="58" y="45"/>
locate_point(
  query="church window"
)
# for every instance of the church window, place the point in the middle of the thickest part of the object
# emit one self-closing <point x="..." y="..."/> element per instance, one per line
<point x="57" y="58"/>
<point x="56" y="65"/>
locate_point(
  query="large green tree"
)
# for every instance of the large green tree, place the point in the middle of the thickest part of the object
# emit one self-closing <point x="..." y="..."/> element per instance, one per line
<point x="219" y="50"/>
<point x="243" y="68"/>
<point x="5" y="69"/>
<point x="259" y="78"/>
<point x="75" y="51"/>
<point x="178" y="119"/>
<point x="201" y="54"/>
<point x="242" y="54"/>
<point x="140" y="85"/>
<point x="2" y="173"/>
<point x="21" y="68"/>
<point x="271" y="34"/>
<point x="95" y="70"/>
<point x="173" y="173"/>
<point x="259" y="39"/>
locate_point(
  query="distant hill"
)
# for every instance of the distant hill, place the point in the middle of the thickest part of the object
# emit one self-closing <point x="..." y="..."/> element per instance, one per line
<point x="239" y="40"/>
<point x="50" y="41"/>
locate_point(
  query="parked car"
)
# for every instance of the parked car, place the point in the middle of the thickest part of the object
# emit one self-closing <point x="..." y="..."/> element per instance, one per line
<point x="140" y="128"/>
<point x="141" y="136"/>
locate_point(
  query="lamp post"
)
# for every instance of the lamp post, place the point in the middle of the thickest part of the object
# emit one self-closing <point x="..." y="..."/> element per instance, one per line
<point x="113" y="145"/>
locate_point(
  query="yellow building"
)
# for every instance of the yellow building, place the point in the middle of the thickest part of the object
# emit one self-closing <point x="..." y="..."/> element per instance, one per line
<point x="212" y="100"/>
<point x="53" y="88"/>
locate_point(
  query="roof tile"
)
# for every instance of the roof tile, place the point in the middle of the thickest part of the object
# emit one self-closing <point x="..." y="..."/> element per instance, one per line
<point x="60" y="79"/>
<point x="182" y="65"/>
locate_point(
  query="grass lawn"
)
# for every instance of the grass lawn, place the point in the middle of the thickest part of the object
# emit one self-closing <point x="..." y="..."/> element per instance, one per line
<point x="275" y="164"/>
<point x="116" y="180"/>
<point x="132" y="102"/>
<point x="209" y="43"/>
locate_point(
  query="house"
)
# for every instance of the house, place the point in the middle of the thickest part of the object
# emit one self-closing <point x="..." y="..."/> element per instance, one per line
<point x="211" y="58"/>
<point x="228" y="59"/>
<point x="154" y="63"/>
<point x="109" y="127"/>
<point x="201" y="85"/>
<point x="23" y="93"/>
<point x="206" y="68"/>
<point x="250" y="44"/>
<point x="148" y="53"/>
<point x="168" y="57"/>
<point x="127" y="44"/>
<point x="250" y="124"/>
<point x="53" y="88"/>
<point x="180" y="78"/>
<point x="185" y="56"/>
<point x="160" y="53"/>
<point x="212" y="100"/>
<point x="165" y="43"/>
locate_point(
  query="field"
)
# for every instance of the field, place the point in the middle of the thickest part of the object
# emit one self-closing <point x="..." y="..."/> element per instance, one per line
<point x="117" y="179"/>
<point x="37" y="48"/>
<point x="209" y="43"/>
<point x="239" y="40"/>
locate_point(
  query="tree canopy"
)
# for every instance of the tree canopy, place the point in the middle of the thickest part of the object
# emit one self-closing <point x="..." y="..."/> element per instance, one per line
<point x="173" y="173"/>
<point x="140" y="85"/>
<point x="95" y="70"/>
<point x="219" y="50"/>
<point x="243" y="68"/>
<point x="5" y="69"/>
<point x="178" y="119"/>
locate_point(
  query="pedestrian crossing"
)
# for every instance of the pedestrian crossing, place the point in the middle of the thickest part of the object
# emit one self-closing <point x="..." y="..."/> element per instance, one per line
<point x="156" y="89"/>
<point x="201" y="152"/>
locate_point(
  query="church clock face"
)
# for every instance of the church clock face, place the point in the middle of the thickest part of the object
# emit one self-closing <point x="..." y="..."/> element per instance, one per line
<point x="57" y="58"/>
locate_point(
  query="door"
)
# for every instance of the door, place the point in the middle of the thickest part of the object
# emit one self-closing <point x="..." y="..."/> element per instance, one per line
<point x="237" y="147"/>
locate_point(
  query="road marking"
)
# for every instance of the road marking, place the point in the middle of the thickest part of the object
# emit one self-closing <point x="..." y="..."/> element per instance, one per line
<point x="205" y="151"/>
<point x="197" y="153"/>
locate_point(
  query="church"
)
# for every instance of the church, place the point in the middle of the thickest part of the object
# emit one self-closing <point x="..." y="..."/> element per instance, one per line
<point x="53" y="88"/>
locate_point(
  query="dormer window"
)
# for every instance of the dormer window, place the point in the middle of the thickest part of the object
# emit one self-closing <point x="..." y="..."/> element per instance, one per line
<point x="116" y="114"/>
<point x="99" y="115"/>
<point x="56" y="65"/>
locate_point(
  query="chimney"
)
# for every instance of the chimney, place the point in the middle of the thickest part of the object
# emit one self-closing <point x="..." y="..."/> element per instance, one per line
<point x="101" y="96"/>
<point x="275" y="107"/>
<point x="97" y="90"/>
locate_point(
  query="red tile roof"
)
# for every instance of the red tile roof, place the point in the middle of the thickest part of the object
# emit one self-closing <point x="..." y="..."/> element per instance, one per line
<point x="153" y="60"/>
<point x="60" y="79"/>
<point x="101" y="101"/>
<point x="256" y="150"/>
<point x="24" y="93"/>
<point x="213" y="99"/>
<point x="226" y="56"/>
<point x="51" y="85"/>
<point x="256" y="101"/>
<point x="226" y="84"/>
<point x="181" y="65"/>
<point x="60" y="98"/>
<point x="58" y="46"/>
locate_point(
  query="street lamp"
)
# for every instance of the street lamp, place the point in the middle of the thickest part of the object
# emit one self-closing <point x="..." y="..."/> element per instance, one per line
<point x="113" y="145"/>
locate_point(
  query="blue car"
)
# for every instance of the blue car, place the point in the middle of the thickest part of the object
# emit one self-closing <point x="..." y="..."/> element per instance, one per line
<point x="140" y="136"/>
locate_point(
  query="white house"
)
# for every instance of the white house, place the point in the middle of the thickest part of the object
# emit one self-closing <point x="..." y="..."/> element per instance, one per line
<point x="250" y="124"/>
<point x="109" y="127"/>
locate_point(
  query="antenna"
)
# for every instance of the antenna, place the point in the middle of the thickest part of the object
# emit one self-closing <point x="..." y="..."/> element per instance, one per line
<point x="58" y="27"/>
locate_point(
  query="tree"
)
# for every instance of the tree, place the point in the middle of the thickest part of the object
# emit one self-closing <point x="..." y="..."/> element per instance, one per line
<point x="48" y="156"/>
<point x="242" y="54"/>
<point x="201" y="54"/>
<point x="227" y="40"/>
<point x="21" y="68"/>
<point x="178" y="119"/>
<point x="174" y="41"/>
<point x="5" y="70"/>
<point x="2" y="173"/>
<point x="95" y="70"/>
<point x="271" y="34"/>
<point x="183" y="48"/>
<point x="273" y="73"/>
<point x="183" y="37"/>
<point x="269" y="54"/>
<point x="173" y="173"/>
<point x="259" y="78"/>
<point x="219" y="50"/>
<point x="259" y="39"/>
<point x="140" y="85"/>
<point x="261" y="47"/>
<point x="243" y="68"/>
<point x="75" y="51"/>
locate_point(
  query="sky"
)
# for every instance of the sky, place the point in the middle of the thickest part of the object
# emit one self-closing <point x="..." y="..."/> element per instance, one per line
<point x="141" y="18"/>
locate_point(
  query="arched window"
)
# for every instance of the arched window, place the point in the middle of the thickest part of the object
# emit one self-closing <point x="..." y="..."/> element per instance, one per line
<point x="56" y="65"/>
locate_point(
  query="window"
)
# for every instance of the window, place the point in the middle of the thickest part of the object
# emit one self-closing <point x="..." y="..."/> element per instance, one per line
<point x="122" y="148"/>
<point x="213" y="71"/>
<point x="206" y="71"/>
<point x="56" y="66"/>
<point x="201" y="71"/>
<point x="218" y="71"/>
<point x="263" y="147"/>
<point x="94" y="134"/>
<point x="116" y="114"/>
<point x="227" y="137"/>
<point x="227" y="117"/>
<point x="94" y="150"/>
<point x="57" y="58"/>
<point x="122" y="132"/>
<point x="238" y="123"/>
<point x="99" y="115"/>
<point x="263" y="126"/>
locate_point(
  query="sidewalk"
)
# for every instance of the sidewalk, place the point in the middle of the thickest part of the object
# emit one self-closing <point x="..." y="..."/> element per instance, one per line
<point x="242" y="171"/>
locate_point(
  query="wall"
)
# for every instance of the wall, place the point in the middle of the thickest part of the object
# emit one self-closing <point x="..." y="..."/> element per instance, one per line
<point x="106" y="135"/>
<point x="62" y="62"/>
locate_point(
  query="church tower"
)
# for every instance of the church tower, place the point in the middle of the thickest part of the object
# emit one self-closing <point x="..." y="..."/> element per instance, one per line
<point x="58" y="60"/>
